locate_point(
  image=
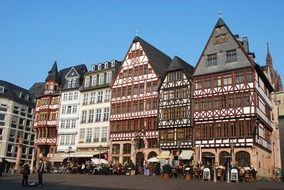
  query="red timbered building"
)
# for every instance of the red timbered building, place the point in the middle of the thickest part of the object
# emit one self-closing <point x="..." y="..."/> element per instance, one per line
<point x="47" y="112"/>
<point x="231" y="103"/>
<point x="174" y="121"/>
<point x="133" y="119"/>
<point x="46" y="115"/>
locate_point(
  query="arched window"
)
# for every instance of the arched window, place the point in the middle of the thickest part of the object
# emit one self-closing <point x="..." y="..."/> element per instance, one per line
<point x="223" y="158"/>
<point x="243" y="158"/>
<point x="208" y="158"/>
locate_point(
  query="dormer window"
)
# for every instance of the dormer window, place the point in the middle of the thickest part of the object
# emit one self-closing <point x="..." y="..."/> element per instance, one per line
<point x="99" y="67"/>
<point x="113" y="63"/>
<point x="69" y="84"/>
<point x="2" y="89"/>
<point x="106" y="65"/>
<point x="73" y="83"/>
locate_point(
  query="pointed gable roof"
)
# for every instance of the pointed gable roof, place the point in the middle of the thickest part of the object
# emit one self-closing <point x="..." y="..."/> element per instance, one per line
<point x="159" y="60"/>
<point x="53" y="73"/>
<point x="179" y="64"/>
<point x="220" y="41"/>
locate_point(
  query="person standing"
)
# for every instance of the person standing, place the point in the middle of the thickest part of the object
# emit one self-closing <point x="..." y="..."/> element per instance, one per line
<point x="26" y="172"/>
<point x="40" y="171"/>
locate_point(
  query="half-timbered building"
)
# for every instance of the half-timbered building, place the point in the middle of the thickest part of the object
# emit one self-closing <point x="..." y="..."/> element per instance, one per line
<point x="175" y="126"/>
<point x="134" y="103"/>
<point x="231" y="103"/>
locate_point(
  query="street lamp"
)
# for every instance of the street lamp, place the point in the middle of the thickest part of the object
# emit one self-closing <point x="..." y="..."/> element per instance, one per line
<point x="69" y="151"/>
<point x="100" y="147"/>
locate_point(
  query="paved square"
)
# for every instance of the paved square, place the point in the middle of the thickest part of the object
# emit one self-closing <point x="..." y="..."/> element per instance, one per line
<point x="138" y="182"/>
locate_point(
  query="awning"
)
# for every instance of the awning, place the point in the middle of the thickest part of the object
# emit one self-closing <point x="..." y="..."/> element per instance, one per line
<point x="186" y="155"/>
<point x="10" y="160"/>
<point x="86" y="154"/>
<point x="164" y="155"/>
<point x="58" y="157"/>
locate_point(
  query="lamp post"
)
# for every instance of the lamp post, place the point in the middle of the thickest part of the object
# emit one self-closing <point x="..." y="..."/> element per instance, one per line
<point x="69" y="151"/>
<point x="100" y="147"/>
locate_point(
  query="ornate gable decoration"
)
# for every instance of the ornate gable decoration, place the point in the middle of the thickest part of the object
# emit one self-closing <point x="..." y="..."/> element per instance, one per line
<point x="72" y="73"/>
<point x="136" y="64"/>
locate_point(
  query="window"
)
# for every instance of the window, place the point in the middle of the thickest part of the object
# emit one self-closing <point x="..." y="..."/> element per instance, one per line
<point x="135" y="91"/>
<point x="87" y="81"/>
<point x="65" y="95"/>
<point x="74" y="83"/>
<point x="73" y="124"/>
<point x="75" y="95"/>
<point x="241" y="129"/>
<point x="227" y="80"/>
<point x="89" y="135"/>
<point x="69" y="109"/>
<point x="141" y="88"/>
<point x="149" y="87"/>
<point x="231" y="56"/>
<point x="219" y="130"/>
<point x="212" y="59"/>
<point x="104" y="134"/>
<point x="68" y="124"/>
<point x="4" y="107"/>
<point x="127" y="148"/>
<point x="94" y="80"/>
<point x="243" y="159"/>
<point x="84" y="116"/>
<point x="92" y="98"/>
<point x="70" y="97"/>
<point x="74" y="110"/>
<point x="240" y="78"/>
<point x="63" y="110"/>
<point x="85" y="99"/>
<point x="101" y="78"/>
<point x="82" y="133"/>
<point x="233" y="129"/>
<point x="107" y="96"/>
<point x="96" y="134"/>
<point x="91" y="116"/>
<point x="116" y="148"/>
<point x="98" y="114"/>
<point x="108" y="77"/>
<point x="69" y="83"/>
<point x="2" y="89"/>
<point x="100" y="97"/>
<point x="129" y="90"/>
<point x="62" y="139"/>
<point x="62" y="124"/>
<point x="72" y="140"/>
<point x="106" y="114"/>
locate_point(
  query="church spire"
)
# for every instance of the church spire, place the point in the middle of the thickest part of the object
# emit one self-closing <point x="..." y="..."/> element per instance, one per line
<point x="268" y="58"/>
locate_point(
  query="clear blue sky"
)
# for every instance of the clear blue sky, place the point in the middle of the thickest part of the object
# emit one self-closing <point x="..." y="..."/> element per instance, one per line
<point x="33" y="33"/>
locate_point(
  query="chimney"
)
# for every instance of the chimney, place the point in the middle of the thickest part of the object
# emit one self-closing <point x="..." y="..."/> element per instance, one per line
<point x="245" y="43"/>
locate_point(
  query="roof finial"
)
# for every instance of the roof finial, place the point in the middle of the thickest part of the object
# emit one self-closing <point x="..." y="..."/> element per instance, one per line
<point x="136" y="32"/>
<point x="220" y="14"/>
<point x="267" y="44"/>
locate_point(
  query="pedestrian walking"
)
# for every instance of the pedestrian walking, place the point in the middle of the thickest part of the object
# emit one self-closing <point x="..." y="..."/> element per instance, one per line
<point x="40" y="171"/>
<point x="26" y="172"/>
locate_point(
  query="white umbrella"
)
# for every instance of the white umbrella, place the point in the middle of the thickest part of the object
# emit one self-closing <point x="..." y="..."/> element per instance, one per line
<point x="153" y="159"/>
<point x="99" y="161"/>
